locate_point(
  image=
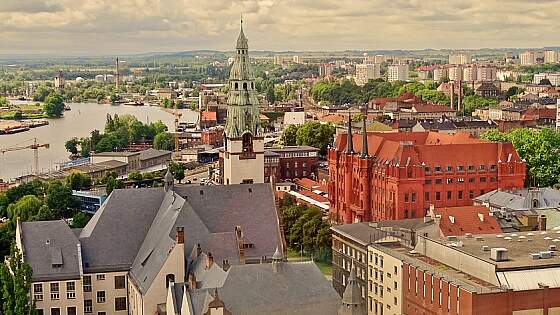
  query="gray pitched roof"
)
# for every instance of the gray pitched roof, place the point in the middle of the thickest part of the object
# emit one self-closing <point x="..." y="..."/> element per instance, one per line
<point x="153" y="153"/>
<point x="298" y="288"/>
<point x="112" y="238"/>
<point x="51" y="249"/>
<point x="209" y="216"/>
<point x="522" y="199"/>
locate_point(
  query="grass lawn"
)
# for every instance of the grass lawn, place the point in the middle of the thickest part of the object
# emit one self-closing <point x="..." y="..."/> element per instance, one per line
<point x="294" y="255"/>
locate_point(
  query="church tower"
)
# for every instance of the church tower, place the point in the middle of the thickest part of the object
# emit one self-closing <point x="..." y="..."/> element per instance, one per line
<point x="244" y="145"/>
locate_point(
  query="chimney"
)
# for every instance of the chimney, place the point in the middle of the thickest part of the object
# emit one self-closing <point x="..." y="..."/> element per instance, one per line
<point x="209" y="260"/>
<point x="542" y="222"/>
<point x="192" y="281"/>
<point x="180" y="236"/>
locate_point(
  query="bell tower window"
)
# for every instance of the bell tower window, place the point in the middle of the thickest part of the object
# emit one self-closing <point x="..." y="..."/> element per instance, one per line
<point x="236" y="85"/>
<point x="245" y="85"/>
<point x="247" y="141"/>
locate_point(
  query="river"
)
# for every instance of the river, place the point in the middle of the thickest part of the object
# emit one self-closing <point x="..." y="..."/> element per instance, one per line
<point x="78" y="122"/>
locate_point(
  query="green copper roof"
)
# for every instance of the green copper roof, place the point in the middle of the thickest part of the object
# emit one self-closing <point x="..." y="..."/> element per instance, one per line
<point x="243" y="104"/>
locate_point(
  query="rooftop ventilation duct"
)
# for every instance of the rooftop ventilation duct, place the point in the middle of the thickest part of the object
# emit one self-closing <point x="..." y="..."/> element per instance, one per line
<point x="499" y="254"/>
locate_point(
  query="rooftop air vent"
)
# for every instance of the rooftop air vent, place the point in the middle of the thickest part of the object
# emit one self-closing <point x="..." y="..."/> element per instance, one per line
<point x="535" y="256"/>
<point x="485" y="248"/>
<point x="479" y="238"/>
<point x="507" y="238"/>
<point x="452" y="238"/>
<point x="552" y="248"/>
<point x="499" y="254"/>
<point x="546" y="255"/>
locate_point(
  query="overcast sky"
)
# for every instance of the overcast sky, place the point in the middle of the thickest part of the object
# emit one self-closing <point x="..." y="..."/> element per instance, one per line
<point x="100" y="27"/>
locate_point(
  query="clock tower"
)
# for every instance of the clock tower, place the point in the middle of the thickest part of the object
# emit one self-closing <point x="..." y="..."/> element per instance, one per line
<point x="244" y="145"/>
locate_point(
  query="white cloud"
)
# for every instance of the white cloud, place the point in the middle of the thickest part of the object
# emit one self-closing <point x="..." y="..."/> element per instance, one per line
<point x="107" y="26"/>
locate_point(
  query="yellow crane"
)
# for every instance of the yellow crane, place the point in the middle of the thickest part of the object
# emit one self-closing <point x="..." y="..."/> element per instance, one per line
<point x="35" y="147"/>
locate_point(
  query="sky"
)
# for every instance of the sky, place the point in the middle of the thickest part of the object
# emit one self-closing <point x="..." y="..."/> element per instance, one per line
<point x="101" y="27"/>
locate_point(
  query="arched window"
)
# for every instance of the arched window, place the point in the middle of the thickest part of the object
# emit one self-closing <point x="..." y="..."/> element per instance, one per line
<point x="252" y="85"/>
<point x="535" y="203"/>
<point x="169" y="278"/>
<point x="245" y="85"/>
<point x="236" y="85"/>
<point x="247" y="142"/>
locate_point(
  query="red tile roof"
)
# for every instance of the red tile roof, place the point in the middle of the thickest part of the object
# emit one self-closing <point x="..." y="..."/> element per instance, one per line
<point x="536" y="113"/>
<point x="314" y="196"/>
<point x="431" y="148"/>
<point x="310" y="184"/>
<point x="469" y="219"/>
<point x="334" y="118"/>
<point x="208" y="116"/>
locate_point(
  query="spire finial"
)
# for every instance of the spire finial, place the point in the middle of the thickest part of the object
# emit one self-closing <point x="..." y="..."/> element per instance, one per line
<point x="349" y="145"/>
<point x="364" y="135"/>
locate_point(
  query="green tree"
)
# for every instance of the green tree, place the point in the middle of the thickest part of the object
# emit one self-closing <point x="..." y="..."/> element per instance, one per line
<point x="54" y="105"/>
<point x="472" y="102"/>
<point x="112" y="184"/>
<point x="15" y="278"/>
<point x="163" y="141"/>
<point x="42" y="93"/>
<point x="4" y="102"/>
<point x="289" y="135"/>
<point x="59" y="198"/>
<point x="135" y="175"/>
<point x="78" y="181"/>
<point x="178" y="170"/>
<point x="24" y="209"/>
<point x="270" y="94"/>
<point x="72" y="146"/>
<point x="316" y="135"/>
<point x="80" y="219"/>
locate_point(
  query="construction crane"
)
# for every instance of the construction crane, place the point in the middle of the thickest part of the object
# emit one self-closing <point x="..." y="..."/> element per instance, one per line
<point x="35" y="147"/>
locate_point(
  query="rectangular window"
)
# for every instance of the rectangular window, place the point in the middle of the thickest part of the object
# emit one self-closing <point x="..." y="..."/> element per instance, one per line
<point x="101" y="276"/>
<point x="119" y="282"/>
<point x="493" y="179"/>
<point x="427" y="196"/>
<point x="483" y="179"/>
<point x="460" y="168"/>
<point x="88" y="304"/>
<point x="449" y="168"/>
<point x="460" y="194"/>
<point x="438" y="168"/>
<point x="405" y="197"/>
<point x="449" y="195"/>
<point x="55" y="293"/>
<point x="471" y="168"/>
<point x="438" y="180"/>
<point x="70" y="290"/>
<point x="493" y="167"/>
<point x="100" y="296"/>
<point x="120" y="304"/>
<point x="38" y="292"/>
<point x="482" y="167"/>
<point x="427" y="169"/>
<point x="471" y="194"/>
<point x="428" y="181"/>
<point x="438" y="195"/>
<point x="413" y="197"/>
<point x="40" y="312"/>
<point x="449" y="180"/>
<point x="55" y="311"/>
<point x="461" y="179"/>
<point x="471" y="180"/>
<point x="71" y="310"/>
<point x="87" y="283"/>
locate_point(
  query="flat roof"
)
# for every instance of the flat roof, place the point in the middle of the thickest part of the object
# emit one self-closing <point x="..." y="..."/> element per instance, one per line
<point x="293" y="148"/>
<point x="520" y="246"/>
<point x="115" y="154"/>
<point x="106" y="165"/>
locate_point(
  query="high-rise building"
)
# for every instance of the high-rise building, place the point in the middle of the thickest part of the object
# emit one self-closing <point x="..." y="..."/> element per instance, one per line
<point x="527" y="58"/>
<point x="551" y="56"/>
<point x="379" y="58"/>
<point x="440" y="73"/>
<point x="397" y="72"/>
<point x="366" y="72"/>
<point x="455" y="73"/>
<point x="393" y="176"/>
<point x="297" y="59"/>
<point x="243" y="155"/>
<point x="278" y="60"/>
<point x="486" y="73"/>
<point x="470" y="73"/>
<point x="59" y="81"/>
<point x="460" y="59"/>
<point x="325" y="69"/>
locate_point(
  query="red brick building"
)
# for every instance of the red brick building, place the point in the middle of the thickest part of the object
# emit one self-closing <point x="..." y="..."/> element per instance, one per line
<point x="392" y="176"/>
<point x="290" y="162"/>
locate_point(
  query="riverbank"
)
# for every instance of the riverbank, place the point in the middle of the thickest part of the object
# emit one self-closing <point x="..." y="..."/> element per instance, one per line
<point x="8" y="127"/>
<point x="17" y="111"/>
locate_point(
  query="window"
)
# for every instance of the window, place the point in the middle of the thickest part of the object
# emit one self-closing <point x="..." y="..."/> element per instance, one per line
<point x="120" y="304"/>
<point x="460" y="194"/>
<point x="482" y="167"/>
<point x="55" y="291"/>
<point x="461" y="179"/>
<point x="71" y="310"/>
<point x="427" y="169"/>
<point x="428" y="181"/>
<point x="471" y="168"/>
<point x="413" y="197"/>
<point x="101" y="313"/>
<point x="471" y="180"/>
<point x="438" y="180"/>
<point x="460" y="168"/>
<point x="471" y="194"/>
<point x="88" y="306"/>
<point x="71" y="290"/>
<point x="55" y="311"/>
<point x="40" y="312"/>
<point x="395" y="285"/>
<point x="119" y="282"/>
<point x="438" y="195"/>
<point x="427" y="196"/>
<point x="405" y="197"/>
<point x="100" y="296"/>
<point x="438" y="168"/>
<point x="449" y="180"/>
<point x="87" y="283"/>
<point x="101" y="276"/>
<point x="483" y="179"/>
<point x="493" y="167"/>
<point x="395" y="269"/>
<point x="448" y="168"/>
<point x="449" y="194"/>
<point x="395" y="298"/>
<point x="38" y="292"/>
<point x="492" y="179"/>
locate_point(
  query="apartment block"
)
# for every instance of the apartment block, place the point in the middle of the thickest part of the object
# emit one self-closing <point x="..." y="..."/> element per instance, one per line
<point x="366" y="72"/>
<point x="397" y="72"/>
<point x="460" y="59"/>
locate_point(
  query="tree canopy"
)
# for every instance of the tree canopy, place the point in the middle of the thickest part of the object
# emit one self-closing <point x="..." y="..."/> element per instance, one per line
<point x="54" y="105"/>
<point x="539" y="148"/>
<point x="311" y="133"/>
<point x="15" y="277"/>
